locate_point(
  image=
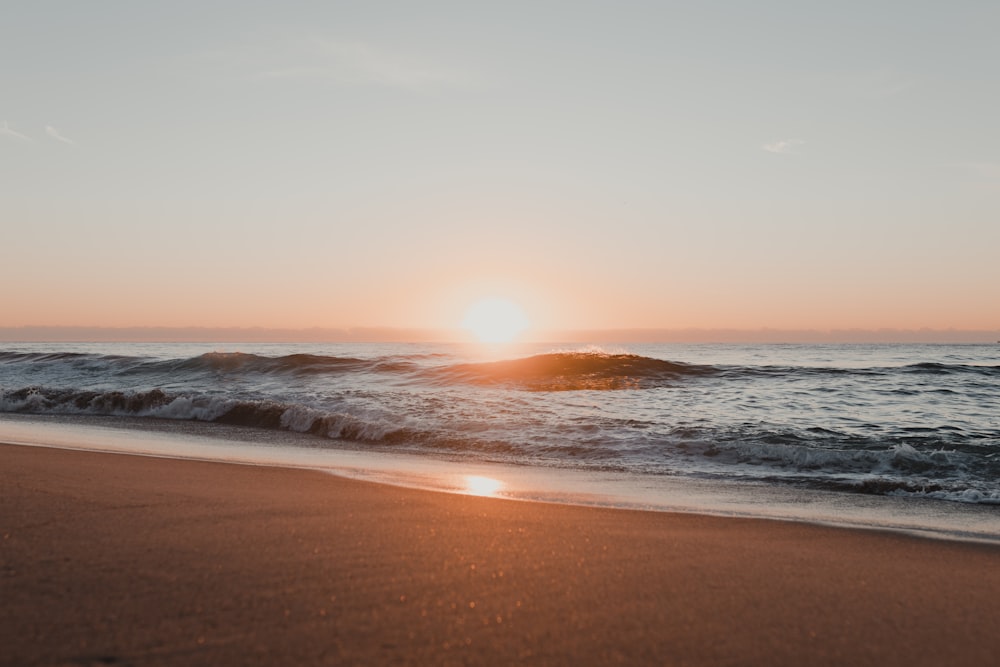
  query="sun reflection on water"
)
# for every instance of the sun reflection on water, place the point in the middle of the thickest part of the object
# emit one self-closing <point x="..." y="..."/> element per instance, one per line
<point x="478" y="485"/>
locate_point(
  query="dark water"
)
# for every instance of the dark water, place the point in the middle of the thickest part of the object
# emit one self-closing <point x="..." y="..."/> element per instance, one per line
<point x="919" y="420"/>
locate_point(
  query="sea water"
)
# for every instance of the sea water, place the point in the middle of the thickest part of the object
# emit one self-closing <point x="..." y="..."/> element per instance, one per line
<point x="910" y="422"/>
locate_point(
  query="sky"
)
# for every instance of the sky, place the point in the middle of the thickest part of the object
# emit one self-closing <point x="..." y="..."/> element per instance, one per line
<point x="604" y="165"/>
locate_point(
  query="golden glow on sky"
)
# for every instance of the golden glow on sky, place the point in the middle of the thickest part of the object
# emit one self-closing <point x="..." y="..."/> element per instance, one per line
<point x="597" y="168"/>
<point x="495" y="320"/>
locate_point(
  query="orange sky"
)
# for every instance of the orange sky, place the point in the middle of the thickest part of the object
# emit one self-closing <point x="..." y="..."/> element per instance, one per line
<point x="349" y="167"/>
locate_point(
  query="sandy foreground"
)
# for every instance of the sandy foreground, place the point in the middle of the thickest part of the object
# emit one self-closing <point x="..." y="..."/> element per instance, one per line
<point x="110" y="559"/>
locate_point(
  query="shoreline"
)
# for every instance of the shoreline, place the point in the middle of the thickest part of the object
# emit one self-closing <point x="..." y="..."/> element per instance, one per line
<point x="118" y="559"/>
<point x="197" y="441"/>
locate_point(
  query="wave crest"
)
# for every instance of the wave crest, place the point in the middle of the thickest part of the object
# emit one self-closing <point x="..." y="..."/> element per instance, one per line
<point x="292" y="363"/>
<point x="576" y="371"/>
<point x="364" y="427"/>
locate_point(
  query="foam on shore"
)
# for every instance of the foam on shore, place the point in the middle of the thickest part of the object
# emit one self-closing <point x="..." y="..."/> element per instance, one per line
<point x="192" y="440"/>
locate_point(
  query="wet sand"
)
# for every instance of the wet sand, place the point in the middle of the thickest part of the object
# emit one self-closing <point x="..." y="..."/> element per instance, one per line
<point x="111" y="559"/>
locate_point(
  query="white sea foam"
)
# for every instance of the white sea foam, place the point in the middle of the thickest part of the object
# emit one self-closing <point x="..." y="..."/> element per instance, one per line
<point x="183" y="407"/>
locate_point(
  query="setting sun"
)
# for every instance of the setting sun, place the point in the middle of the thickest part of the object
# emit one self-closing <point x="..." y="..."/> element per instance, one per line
<point x="495" y="320"/>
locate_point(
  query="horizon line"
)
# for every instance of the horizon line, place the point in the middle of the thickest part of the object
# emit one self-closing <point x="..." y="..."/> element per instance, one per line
<point x="165" y="334"/>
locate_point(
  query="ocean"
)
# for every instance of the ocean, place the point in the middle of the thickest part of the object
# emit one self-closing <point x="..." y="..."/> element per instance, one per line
<point x="919" y="424"/>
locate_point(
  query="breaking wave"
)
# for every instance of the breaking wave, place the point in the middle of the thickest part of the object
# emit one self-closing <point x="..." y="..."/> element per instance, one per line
<point x="268" y="414"/>
<point x="924" y="428"/>
<point x="575" y="371"/>
<point x="555" y="371"/>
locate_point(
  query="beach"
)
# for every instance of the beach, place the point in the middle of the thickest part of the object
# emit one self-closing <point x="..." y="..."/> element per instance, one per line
<point x="113" y="559"/>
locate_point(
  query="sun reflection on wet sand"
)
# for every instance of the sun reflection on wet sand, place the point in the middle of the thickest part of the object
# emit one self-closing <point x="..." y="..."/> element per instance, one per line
<point x="478" y="485"/>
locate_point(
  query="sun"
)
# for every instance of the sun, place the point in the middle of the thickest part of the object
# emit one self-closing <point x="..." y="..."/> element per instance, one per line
<point x="495" y="320"/>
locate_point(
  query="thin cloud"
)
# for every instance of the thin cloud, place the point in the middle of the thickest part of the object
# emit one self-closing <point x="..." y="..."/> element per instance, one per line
<point x="54" y="133"/>
<point x="338" y="61"/>
<point x="5" y="131"/>
<point x="783" y="146"/>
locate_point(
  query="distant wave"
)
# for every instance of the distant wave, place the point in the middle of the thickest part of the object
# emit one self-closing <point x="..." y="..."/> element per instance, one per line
<point x="218" y="362"/>
<point x="292" y="363"/>
<point x="555" y="371"/>
<point x="9" y="357"/>
<point x="952" y="369"/>
<point x="819" y="371"/>
<point x="574" y="371"/>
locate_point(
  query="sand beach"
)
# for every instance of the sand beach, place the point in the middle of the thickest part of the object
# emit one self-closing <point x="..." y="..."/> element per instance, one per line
<point x="112" y="559"/>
